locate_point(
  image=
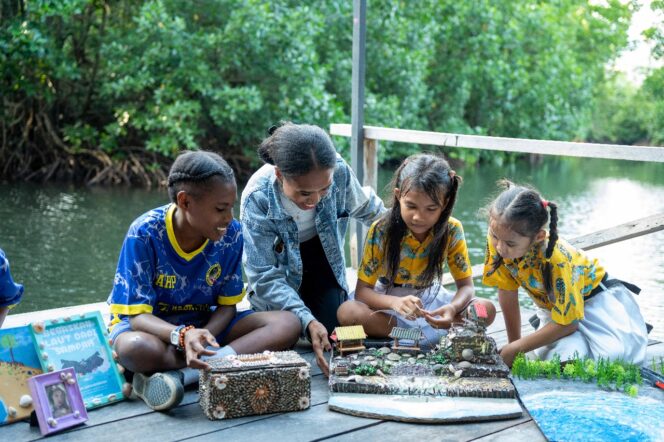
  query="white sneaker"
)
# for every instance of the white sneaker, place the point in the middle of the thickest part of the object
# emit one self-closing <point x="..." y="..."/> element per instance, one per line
<point x="161" y="391"/>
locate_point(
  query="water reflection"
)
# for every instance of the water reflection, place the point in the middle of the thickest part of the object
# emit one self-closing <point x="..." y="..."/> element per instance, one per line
<point x="64" y="241"/>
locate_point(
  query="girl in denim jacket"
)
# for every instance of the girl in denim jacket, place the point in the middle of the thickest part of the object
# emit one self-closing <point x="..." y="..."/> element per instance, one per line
<point x="406" y="250"/>
<point x="295" y="211"/>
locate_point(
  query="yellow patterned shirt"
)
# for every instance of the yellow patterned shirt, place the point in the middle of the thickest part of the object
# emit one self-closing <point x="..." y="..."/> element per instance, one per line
<point x="573" y="275"/>
<point x="414" y="256"/>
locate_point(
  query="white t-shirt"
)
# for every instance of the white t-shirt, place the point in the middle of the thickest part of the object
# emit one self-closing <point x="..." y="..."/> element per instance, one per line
<point x="305" y="219"/>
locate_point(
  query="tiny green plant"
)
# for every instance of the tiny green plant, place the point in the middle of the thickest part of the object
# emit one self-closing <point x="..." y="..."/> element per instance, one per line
<point x="365" y="370"/>
<point x="616" y="375"/>
<point x="657" y="365"/>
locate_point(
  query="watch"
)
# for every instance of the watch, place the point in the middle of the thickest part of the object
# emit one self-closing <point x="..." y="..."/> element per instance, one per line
<point x="175" y="336"/>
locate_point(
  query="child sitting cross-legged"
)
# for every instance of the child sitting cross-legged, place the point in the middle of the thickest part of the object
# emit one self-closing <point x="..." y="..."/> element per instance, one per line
<point x="178" y="281"/>
<point x="408" y="249"/>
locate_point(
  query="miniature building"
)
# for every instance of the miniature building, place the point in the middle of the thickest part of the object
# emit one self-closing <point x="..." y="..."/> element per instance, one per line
<point x="410" y="334"/>
<point x="477" y="313"/>
<point x="350" y="338"/>
<point x="459" y="338"/>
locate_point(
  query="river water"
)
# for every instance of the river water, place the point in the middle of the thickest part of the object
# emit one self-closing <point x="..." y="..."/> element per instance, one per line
<point x="63" y="241"/>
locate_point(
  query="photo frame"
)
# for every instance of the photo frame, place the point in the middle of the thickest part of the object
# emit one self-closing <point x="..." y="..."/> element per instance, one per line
<point x="18" y="363"/>
<point x="81" y="343"/>
<point x="58" y="401"/>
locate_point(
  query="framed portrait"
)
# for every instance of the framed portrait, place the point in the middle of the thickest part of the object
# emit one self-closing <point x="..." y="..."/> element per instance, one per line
<point x="81" y="343"/>
<point x="18" y="363"/>
<point x="58" y="401"/>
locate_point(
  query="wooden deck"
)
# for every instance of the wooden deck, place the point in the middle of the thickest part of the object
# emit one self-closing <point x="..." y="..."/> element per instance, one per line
<point x="132" y="420"/>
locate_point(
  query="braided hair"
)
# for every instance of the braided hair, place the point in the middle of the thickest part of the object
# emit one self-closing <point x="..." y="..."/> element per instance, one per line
<point x="433" y="176"/>
<point x="525" y="212"/>
<point x="194" y="171"/>
<point x="297" y="149"/>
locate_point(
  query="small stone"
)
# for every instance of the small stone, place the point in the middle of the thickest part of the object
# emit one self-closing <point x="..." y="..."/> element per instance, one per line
<point x="464" y="364"/>
<point x="438" y="367"/>
<point x="385" y="350"/>
<point x="467" y="354"/>
<point x="451" y="368"/>
<point x="373" y="363"/>
<point x="12" y="412"/>
<point x="421" y="356"/>
<point x="458" y="373"/>
<point x="52" y="422"/>
<point x="25" y="401"/>
<point x="369" y="358"/>
<point x="393" y="357"/>
<point x="389" y="363"/>
<point x="412" y="360"/>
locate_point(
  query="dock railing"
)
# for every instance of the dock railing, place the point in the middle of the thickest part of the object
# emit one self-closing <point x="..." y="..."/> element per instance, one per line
<point x="372" y="136"/>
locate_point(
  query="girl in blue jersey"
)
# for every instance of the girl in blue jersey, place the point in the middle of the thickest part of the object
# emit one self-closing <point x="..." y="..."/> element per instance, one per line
<point x="178" y="281"/>
<point x="10" y="292"/>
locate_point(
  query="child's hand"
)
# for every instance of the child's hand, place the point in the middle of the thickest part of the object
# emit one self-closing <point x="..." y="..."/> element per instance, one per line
<point x="195" y="342"/>
<point x="508" y="353"/>
<point x="410" y="307"/>
<point x="442" y="317"/>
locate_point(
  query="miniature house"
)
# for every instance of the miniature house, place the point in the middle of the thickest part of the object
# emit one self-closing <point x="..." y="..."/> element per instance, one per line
<point x="477" y="313"/>
<point x="400" y="334"/>
<point x="350" y="338"/>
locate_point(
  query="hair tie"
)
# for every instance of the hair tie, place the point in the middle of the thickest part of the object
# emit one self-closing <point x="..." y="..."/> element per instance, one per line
<point x="452" y="174"/>
<point x="545" y="203"/>
<point x="271" y="129"/>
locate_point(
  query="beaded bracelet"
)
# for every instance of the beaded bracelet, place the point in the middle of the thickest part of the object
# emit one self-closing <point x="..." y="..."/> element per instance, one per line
<point x="183" y="331"/>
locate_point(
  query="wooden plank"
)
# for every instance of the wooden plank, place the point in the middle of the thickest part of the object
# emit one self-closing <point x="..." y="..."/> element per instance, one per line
<point x="371" y="164"/>
<point x="622" y="232"/>
<point x="619" y="233"/>
<point x="386" y="431"/>
<point x="521" y="145"/>
<point x="315" y="423"/>
<point x="16" y="320"/>
<point x="525" y="432"/>
<point x="160" y="426"/>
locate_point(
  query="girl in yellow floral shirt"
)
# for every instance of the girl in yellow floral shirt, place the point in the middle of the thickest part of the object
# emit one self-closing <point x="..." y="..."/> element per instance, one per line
<point x="407" y="248"/>
<point x="581" y="310"/>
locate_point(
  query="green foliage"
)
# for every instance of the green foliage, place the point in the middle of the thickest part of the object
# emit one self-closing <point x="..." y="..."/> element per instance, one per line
<point x="365" y="370"/>
<point x="617" y="375"/>
<point x="657" y="365"/>
<point x="93" y="77"/>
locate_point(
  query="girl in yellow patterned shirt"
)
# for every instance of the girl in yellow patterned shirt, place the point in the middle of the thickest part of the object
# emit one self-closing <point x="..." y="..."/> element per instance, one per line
<point x="581" y="310"/>
<point x="408" y="247"/>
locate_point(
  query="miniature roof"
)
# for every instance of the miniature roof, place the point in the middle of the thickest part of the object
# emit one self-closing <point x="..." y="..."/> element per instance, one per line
<point x="480" y="310"/>
<point x="350" y="332"/>
<point x="414" y="334"/>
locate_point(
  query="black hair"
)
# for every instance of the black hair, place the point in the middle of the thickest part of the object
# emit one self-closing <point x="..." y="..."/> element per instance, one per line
<point x="524" y="211"/>
<point x="195" y="171"/>
<point x="433" y="176"/>
<point x="297" y="149"/>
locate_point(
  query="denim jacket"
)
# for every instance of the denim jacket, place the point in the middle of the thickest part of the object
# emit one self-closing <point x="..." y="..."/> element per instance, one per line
<point x="274" y="272"/>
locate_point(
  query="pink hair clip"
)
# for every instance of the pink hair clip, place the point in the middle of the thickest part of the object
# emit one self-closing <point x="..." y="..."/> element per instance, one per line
<point x="545" y="203"/>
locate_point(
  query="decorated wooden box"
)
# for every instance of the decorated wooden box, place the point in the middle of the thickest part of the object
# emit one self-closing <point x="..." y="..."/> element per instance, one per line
<point x="260" y="383"/>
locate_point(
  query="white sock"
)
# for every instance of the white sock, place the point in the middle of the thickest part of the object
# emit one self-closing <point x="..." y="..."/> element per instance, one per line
<point x="189" y="375"/>
<point x="226" y="350"/>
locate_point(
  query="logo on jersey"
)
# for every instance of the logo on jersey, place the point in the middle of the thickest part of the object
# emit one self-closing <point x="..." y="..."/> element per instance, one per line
<point x="213" y="273"/>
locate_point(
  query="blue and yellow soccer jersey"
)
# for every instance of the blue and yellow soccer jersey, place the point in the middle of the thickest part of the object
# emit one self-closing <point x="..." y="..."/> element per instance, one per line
<point x="156" y="276"/>
<point x="10" y="292"/>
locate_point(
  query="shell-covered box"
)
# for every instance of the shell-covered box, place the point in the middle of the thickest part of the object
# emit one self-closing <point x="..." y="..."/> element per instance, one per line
<point x="261" y="383"/>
